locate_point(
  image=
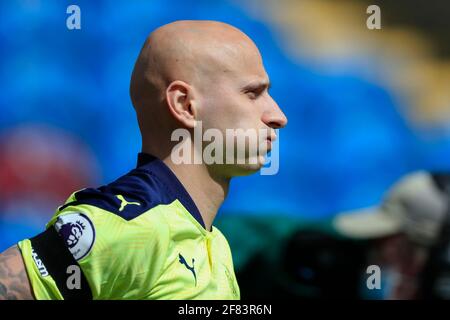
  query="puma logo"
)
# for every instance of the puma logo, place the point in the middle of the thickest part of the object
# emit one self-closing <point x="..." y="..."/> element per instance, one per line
<point x="124" y="203"/>
<point x="192" y="269"/>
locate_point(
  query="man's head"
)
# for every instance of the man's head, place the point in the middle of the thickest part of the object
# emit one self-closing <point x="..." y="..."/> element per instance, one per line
<point x="415" y="206"/>
<point x="192" y="71"/>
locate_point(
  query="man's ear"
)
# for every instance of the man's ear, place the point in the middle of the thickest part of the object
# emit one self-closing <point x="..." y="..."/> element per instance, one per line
<point x="180" y="100"/>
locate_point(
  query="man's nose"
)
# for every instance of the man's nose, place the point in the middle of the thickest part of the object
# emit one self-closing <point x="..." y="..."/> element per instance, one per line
<point x="274" y="117"/>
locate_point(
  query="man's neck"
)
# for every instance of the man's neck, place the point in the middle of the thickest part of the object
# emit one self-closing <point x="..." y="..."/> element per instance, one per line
<point x="208" y="192"/>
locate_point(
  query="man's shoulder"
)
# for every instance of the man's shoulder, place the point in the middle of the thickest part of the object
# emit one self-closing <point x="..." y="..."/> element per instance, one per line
<point x="128" y="196"/>
<point x="118" y="215"/>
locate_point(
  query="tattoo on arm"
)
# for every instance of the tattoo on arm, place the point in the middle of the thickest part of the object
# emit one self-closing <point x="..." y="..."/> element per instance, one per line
<point x="14" y="282"/>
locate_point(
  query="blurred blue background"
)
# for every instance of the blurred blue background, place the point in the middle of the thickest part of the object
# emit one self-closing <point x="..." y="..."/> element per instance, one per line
<point x="355" y="122"/>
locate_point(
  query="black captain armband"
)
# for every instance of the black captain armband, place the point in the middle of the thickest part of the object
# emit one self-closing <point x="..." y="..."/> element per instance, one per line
<point x="53" y="257"/>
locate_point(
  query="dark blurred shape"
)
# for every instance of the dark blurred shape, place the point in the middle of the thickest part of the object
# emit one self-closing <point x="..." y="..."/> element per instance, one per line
<point x="324" y="266"/>
<point x="313" y="265"/>
<point x="435" y="280"/>
<point x="430" y="18"/>
<point x="442" y="181"/>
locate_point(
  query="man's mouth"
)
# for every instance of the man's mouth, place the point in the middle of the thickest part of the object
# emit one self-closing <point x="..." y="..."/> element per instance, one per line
<point x="269" y="140"/>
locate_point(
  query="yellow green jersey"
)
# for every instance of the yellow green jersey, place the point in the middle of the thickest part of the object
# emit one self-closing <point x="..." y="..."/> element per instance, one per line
<point x="139" y="237"/>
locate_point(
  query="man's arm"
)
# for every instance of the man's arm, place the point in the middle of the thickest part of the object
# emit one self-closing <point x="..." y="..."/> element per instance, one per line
<point x="14" y="282"/>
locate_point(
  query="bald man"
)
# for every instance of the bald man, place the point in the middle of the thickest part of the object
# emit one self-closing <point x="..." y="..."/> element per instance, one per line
<point x="150" y="233"/>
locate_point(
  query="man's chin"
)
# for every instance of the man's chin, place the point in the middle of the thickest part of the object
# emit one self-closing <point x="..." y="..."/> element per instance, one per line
<point x="246" y="169"/>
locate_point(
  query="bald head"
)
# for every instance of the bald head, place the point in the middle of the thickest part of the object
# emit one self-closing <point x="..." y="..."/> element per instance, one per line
<point x="191" y="51"/>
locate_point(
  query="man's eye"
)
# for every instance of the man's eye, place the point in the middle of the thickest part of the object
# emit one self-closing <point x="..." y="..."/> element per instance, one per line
<point x="252" y="95"/>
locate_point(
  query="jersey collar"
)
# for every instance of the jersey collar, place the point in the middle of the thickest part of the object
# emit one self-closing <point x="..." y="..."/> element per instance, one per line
<point x="167" y="177"/>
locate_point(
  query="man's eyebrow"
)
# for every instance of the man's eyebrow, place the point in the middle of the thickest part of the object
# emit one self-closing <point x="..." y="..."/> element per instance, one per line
<point x="257" y="85"/>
